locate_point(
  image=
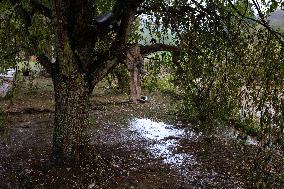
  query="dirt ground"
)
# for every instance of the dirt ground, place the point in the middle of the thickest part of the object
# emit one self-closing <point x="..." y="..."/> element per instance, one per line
<point x="121" y="156"/>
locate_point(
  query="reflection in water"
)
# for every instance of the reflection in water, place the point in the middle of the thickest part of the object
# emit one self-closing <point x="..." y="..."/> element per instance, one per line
<point x="165" y="140"/>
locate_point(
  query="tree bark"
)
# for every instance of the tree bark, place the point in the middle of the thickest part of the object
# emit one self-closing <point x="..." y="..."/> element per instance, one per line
<point x="71" y="117"/>
<point x="78" y="66"/>
<point x="135" y="88"/>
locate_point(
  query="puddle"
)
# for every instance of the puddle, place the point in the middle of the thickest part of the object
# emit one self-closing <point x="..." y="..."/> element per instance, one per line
<point x="163" y="140"/>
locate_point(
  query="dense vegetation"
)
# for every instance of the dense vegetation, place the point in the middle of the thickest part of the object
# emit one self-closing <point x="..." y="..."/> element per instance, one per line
<point x="221" y="60"/>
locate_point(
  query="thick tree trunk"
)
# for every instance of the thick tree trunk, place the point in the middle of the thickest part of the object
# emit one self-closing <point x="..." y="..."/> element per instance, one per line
<point x="77" y="70"/>
<point x="71" y="118"/>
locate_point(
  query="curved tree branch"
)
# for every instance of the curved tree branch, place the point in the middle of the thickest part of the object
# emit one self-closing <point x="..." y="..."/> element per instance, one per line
<point x="125" y="12"/>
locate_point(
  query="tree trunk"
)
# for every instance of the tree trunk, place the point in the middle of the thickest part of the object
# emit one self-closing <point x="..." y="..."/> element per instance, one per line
<point x="135" y="88"/>
<point x="71" y="117"/>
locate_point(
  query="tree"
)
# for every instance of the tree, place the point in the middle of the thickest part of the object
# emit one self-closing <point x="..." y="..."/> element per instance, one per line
<point x="86" y="39"/>
<point x="230" y="73"/>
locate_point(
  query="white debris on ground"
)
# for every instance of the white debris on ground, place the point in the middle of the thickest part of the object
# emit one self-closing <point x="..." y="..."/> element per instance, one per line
<point x="165" y="140"/>
<point x="6" y="80"/>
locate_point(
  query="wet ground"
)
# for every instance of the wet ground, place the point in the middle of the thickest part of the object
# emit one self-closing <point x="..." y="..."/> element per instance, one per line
<point x="132" y="146"/>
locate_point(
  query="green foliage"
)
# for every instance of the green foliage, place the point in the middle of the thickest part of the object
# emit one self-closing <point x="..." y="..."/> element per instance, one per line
<point x="10" y="28"/>
<point x="161" y="84"/>
<point x="229" y="64"/>
<point x="103" y="6"/>
<point x="228" y="60"/>
<point x="226" y="65"/>
<point x="42" y="30"/>
<point x="244" y="8"/>
<point x="248" y="126"/>
<point x="118" y="79"/>
<point x="158" y="73"/>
